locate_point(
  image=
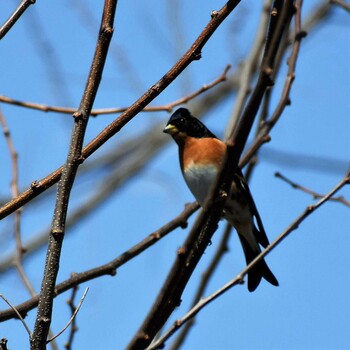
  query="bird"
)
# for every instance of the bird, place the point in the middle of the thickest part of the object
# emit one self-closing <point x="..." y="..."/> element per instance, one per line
<point x="201" y="154"/>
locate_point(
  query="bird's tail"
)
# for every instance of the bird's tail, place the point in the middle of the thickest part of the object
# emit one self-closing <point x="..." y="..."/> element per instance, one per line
<point x="260" y="270"/>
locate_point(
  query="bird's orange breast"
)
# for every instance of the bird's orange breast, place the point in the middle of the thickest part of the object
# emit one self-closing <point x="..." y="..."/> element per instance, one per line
<point x="202" y="151"/>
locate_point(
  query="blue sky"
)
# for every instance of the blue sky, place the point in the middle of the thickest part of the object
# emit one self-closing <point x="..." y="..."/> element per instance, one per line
<point x="46" y="58"/>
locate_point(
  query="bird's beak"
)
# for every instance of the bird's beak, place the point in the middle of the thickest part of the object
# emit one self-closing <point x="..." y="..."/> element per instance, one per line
<point x="171" y="129"/>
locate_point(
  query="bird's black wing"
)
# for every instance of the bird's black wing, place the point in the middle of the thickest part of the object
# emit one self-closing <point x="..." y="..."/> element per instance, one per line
<point x="242" y="186"/>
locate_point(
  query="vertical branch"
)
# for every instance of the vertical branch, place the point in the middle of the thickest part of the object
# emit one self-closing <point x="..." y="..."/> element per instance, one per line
<point x="81" y="117"/>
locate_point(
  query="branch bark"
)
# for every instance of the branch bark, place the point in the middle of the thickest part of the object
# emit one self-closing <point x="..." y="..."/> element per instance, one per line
<point x="22" y="7"/>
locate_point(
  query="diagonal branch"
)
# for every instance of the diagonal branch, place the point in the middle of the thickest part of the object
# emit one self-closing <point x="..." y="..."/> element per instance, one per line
<point x="315" y="195"/>
<point x="110" y="267"/>
<point x="22" y="7"/>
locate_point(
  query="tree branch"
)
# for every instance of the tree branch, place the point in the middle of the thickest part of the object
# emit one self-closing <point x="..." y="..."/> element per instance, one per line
<point x="315" y="195"/>
<point x="22" y="7"/>
<point x="44" y="314"/>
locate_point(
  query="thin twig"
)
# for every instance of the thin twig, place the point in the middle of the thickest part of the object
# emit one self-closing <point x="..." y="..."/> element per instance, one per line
<point x="341" y="3"/>
<point x="315" y="195"/>
<point x="17" y="313"/>
<point x="240" y="277"/>
<point x="72" y="318"/>
<point x="95" y="112"/>
<point x="15" y="17"/>
<point x="223" y="77"/>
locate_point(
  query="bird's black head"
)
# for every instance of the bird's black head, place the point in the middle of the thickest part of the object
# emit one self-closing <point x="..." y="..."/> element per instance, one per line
<point x="184" y="123"/>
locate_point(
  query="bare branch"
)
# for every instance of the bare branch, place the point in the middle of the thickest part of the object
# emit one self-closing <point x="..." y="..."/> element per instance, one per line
<point x="187" y="258"/>
<point x="22" y="7"/>
<point x="314" y="194"/>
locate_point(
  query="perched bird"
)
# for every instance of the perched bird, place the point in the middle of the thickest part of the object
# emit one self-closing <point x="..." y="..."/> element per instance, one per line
<point x="201" y="154"/>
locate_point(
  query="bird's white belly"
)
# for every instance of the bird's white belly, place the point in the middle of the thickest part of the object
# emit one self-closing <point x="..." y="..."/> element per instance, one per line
<point x="199" y="180"/>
